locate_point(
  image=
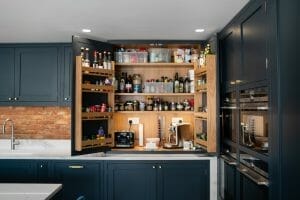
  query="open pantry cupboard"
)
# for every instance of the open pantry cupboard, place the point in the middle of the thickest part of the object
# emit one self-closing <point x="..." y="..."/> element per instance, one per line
<point x="198" y="103"/>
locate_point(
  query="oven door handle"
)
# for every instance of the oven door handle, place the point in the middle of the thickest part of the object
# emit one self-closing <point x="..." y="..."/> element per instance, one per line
<point x="256" y="178"/>
<point x="229" y="160"/>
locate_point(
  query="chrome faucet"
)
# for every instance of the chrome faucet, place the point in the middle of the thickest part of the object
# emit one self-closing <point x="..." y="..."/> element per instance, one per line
<point x="13" y="143"/>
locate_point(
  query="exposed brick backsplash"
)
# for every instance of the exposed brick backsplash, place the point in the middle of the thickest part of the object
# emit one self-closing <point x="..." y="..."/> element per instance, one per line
<point x="37" y="122"/>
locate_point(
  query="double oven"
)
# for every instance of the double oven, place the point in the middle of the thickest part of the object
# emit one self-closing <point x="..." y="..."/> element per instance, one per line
<point x="244" y="142"/>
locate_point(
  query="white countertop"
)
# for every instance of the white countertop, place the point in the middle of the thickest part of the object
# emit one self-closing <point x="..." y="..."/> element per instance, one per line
<point x="28" y="191"/>
<point x="61" y="149"/>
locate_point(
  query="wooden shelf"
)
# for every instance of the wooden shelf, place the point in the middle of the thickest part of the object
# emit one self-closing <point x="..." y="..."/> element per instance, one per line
<point x="97" y="88"/>
<point x="96" y="115"/>
<point x="201" y="88"/>
<point x="156" y="64"/>
<point x="200" y="115"/>
<point x="154" y="94"/>
<point x="158" y="112"/>
<point x="201" y="142"/>
<point x="97" y="72"/>
<point x="200" y="71"/>
<point x="86" y="144"/>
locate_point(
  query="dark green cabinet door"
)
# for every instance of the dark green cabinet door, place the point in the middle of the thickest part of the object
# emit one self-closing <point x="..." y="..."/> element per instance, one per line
<point x="183" y="180"/>
<point x="18" y="171"/>
<point x="78" y="179"/>
<point x="7" y="72"/>
<point x="134" y="181"/>
<point x="230" y="55"/>
<point x="66" y="78"/>
<point x="254" y="44"/>
<point x="229" y="182"/>
<point x="37" y="74"/>
<point x="250" y="190"/>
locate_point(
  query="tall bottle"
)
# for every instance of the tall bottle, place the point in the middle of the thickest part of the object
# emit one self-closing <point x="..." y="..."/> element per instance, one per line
<point x="86" y="60"/>
<point x="100" y="60"/>
<point x="82" y="55"/>
<point x="95" y="62"/>
<point x="176" y="83"/>
<point x="202" y="59"/>
<point x="128" y="84"/>
<point x="104" y="60"/>
<point x="187" y="88"/>
<point x="122" y="82"/>
<point x="181" y="85"/>
<point x="108" y="60"/>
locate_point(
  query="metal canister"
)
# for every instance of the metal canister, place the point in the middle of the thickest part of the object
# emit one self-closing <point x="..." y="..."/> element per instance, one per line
<point x="137" y="83"/>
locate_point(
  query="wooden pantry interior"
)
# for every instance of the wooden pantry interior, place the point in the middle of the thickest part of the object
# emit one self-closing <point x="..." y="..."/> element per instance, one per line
<point x="154" y="102"/>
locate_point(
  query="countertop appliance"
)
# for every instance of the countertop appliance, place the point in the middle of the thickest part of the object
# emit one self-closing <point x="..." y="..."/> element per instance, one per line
<point x="124" y="139"/>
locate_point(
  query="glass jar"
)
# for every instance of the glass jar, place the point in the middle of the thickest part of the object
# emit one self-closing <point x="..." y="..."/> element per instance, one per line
<point x="135" y="105"/>
<point x="173" y="106"/>
<point x="142" y="106"/>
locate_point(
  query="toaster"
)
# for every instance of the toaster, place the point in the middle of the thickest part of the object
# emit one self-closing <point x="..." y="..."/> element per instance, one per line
<point x="124" y="139"/>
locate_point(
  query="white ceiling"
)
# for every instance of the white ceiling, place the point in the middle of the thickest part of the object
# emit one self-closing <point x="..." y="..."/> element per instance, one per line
<point x="58" y="20"/>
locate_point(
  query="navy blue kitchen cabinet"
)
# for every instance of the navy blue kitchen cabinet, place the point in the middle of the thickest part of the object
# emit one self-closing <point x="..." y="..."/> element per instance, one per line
<point x="66" y="76"/>
<point x="183" y="180"/>
<point x="18" y="171"/>
<point x="161" y="180"/>
<point x="243" y="47"/>
<point x="253" y="28"/>
<point x="79" y="178"/>
<point x="24" y="171"/>
<point x="229" y="55"/>
<point x="7" y="74"/>
<point x="249" y="190"/>
<point x="228" y="186"/>
<point x="134" y="181"/>
<point x="35" y="74"/>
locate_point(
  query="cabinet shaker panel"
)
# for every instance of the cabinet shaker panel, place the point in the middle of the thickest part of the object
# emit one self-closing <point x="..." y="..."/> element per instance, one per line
<point x="7" y="69"/>
<point x="253" y="30"/>
<point x="37" y="73"/>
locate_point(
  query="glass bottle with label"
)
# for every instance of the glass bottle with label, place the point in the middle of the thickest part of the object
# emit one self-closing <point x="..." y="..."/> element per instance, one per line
<point x="176" y="83"/>
<point x="108" y="60"/>
<point x="95" y="62"/>
<point x="86" y="60"/>
<point x="105" y="60"/>
<point x="100" y="60"/>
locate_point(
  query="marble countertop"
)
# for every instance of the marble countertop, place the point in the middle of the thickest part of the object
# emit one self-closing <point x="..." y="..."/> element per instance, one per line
<point x="61" y="149"/>
<point x="28" y="191"/>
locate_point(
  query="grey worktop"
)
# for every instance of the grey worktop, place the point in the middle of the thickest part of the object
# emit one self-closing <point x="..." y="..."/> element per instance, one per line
<point x="28" y="191"/>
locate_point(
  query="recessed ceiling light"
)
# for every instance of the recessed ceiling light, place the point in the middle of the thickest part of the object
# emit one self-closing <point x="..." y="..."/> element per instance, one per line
<point x="85" y="30"/>
<point x="199" y="30"/>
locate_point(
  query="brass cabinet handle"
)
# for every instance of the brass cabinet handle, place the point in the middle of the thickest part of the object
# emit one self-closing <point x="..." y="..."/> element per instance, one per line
<point x="16" y="98"/>
<point x="153" y="167"/>
<point x="76" y="166"/>
<point x="159" y="167"/>
<point x="9" y="99"/>
<point x="256" y="178"/>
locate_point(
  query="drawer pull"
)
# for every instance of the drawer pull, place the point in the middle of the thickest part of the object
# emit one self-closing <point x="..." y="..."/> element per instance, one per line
<point x="76" y="167"/>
